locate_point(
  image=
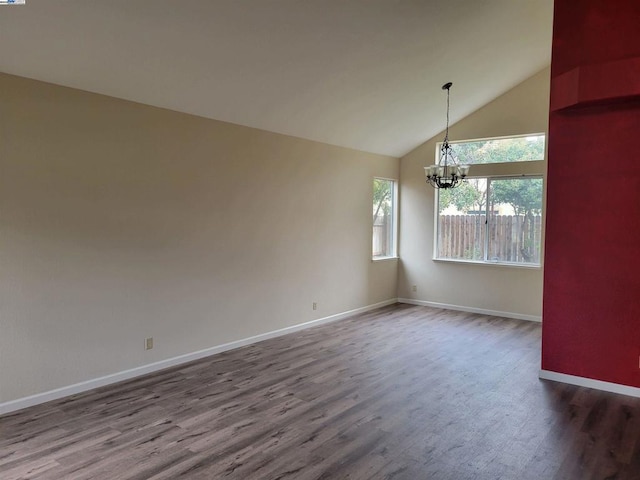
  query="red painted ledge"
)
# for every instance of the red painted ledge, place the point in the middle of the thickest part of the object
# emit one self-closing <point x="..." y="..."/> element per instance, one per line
<point x="596" y="84"/>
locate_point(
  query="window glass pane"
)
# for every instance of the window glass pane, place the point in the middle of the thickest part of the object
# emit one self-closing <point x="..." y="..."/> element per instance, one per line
<point x="383" y="218"/>
<point x="499" y="150"/>
<point x="513" y="232"/>
<point x="515" y="221"/>
<point x="461" y="220"/>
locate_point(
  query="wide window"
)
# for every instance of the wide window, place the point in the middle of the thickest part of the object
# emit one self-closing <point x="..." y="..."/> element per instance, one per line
<point x="495" y="217"/>
<point x="384" y="218"/>
<point x="524" y="148"/>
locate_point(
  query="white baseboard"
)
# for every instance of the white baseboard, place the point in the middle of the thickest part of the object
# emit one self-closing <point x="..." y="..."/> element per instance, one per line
<point x="36" y="399"/>
<point x="495" y="313"/>
<point x="590" y="383"/>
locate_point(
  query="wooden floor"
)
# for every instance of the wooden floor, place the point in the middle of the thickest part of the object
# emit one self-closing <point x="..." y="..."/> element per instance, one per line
<point x="403" y="392"/>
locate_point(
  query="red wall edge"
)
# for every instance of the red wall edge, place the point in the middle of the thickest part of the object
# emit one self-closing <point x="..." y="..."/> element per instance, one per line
<point x="591" y="308"/>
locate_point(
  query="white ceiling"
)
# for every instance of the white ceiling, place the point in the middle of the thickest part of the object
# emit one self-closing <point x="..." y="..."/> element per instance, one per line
<point x="364" y="74"/>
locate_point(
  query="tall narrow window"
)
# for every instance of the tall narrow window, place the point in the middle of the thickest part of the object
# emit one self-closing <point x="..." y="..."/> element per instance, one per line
<point x="384" y="218"/>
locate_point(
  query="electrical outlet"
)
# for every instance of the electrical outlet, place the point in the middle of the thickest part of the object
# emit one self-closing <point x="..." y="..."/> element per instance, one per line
<point x="315" y="306"/>
<point x="414" y="288"/>
<point x="148" y="343"/>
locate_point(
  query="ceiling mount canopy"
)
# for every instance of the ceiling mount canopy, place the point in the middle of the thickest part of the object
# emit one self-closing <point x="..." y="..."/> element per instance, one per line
<point x="446" y="173"/>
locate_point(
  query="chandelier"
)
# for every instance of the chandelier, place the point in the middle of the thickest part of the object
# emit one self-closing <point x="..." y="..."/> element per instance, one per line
<point x="446" y="173"/>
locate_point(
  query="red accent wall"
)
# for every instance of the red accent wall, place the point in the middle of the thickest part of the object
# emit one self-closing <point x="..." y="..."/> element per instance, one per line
<point x="591" y="312"/>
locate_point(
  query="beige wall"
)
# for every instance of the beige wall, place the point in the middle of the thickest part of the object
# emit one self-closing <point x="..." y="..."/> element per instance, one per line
<point x="120" y="221"/>
<point x="522" y="110"/>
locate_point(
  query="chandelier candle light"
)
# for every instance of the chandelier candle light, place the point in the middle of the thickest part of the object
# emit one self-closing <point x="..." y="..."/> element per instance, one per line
<point x="446" y="173"/>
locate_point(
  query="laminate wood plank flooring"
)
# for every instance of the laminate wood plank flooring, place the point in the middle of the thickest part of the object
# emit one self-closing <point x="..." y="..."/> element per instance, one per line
<point x="402" y="392"/>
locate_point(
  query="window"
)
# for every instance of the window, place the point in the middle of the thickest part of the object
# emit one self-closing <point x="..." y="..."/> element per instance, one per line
<point x="499" y="150"/>
<point x="496" y="217"/>
<point x="384" y="218"/>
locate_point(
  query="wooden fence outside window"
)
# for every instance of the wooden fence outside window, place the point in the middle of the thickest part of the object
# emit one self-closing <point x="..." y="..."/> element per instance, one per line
<point x="512" y="238"/>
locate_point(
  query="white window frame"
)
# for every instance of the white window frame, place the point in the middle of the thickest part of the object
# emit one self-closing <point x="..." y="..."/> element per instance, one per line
<point x="495" y="171"/>
<point x="394" y="221"/>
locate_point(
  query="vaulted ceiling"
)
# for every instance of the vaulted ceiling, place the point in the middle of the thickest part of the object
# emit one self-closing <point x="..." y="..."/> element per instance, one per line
<point x="364" y="74"/>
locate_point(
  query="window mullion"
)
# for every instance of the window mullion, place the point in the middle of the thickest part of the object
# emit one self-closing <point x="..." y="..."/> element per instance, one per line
<point x="486" y="221"/>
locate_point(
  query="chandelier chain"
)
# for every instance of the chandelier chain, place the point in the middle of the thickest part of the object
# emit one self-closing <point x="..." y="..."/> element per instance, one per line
<point x="446" y="133"/>
<point x="446" y="173"/>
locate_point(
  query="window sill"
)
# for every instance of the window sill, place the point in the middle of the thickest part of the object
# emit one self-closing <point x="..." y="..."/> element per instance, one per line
<point x="489" y="264"/>
<point x="383" y="259"/>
